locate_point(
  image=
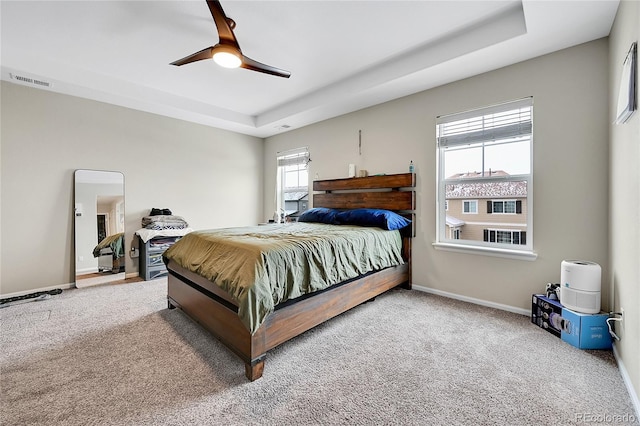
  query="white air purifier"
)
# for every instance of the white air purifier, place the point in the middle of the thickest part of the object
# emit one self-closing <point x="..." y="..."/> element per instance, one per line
<point x="580" y="286"/>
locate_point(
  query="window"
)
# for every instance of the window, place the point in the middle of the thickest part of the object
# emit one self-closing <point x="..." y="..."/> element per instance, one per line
<point x="505" y="236"/>
<point x="506" y="207"/>
<point x="292" y="195"/>
<point x="469" y="206"/>
<point x="485" y="158"/>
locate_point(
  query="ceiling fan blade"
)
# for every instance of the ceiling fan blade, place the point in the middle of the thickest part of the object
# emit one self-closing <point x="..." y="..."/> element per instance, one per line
<point x="252" y="65"/>
<point x="229" y="44"/>
<point x="198" y="56"/>
<point x="225" y="25"/>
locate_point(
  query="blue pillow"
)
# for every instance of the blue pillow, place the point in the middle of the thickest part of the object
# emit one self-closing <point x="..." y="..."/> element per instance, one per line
<point x="319" y="215"/>
<point x="384" y="219"/>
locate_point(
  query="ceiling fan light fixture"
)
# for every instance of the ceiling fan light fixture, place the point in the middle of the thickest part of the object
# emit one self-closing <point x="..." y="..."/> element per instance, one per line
<point x="227" y="58"/>
<point x="227" y="52"/>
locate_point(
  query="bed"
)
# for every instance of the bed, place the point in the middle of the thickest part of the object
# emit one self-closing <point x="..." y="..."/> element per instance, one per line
<point x="109" y="252"/>
<point x="252" y="329"/>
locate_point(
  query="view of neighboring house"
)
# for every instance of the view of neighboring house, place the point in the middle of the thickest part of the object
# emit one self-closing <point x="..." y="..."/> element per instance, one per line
<point x="296" y="201"/>
<point x="491" y="211"/>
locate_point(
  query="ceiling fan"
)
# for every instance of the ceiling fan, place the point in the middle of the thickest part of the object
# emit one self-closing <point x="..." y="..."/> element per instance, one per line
<point x="227" y="52"/>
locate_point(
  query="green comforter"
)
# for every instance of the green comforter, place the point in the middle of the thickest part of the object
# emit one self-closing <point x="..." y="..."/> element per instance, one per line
<point x="263" y="266"/>
<point x="115" y="242"/>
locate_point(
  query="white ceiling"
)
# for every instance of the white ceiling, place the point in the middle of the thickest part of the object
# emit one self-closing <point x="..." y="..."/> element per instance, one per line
<point x="343" y="55"/>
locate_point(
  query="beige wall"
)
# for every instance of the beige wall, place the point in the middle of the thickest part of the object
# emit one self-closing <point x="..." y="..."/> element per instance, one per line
<point x="211" y="177"/>
<point x="570" y="186"/>
<point x="624" y="183"/>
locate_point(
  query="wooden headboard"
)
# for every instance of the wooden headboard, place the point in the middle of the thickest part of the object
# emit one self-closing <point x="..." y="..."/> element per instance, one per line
<point x="389" y="192"/>
<point x="374" y="192"/>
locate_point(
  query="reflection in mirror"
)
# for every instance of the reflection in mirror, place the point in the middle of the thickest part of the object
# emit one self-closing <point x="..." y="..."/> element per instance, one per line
<point x="99" y="227"/>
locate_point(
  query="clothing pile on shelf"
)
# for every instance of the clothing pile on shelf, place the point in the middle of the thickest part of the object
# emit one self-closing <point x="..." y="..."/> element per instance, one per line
<point x="162" y="244"/>
<point x="163" y="220"/>
<point x="162" y="223"/>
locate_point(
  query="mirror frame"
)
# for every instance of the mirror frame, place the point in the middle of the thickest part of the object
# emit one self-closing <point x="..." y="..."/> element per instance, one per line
<point x="99" y="193"/>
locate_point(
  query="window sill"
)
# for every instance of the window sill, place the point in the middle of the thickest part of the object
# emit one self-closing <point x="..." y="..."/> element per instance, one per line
<point x="487" y="251"/>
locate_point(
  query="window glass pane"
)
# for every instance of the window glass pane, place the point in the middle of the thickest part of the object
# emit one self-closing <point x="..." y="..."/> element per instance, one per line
<point x="509" y="206"/>
<point x="290" y="179"/>
<point x="304" y="177"/>
<point x="511" y="158"/>
<point x="458" y="161"/>
<point x="497" y="207"/>
<point x="470" y="207"/>
<point x="503" y="237"/>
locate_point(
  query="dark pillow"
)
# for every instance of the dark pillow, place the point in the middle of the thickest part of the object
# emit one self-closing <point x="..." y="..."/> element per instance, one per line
<point x="319" y="215"/>
<point x="384" y="219"/>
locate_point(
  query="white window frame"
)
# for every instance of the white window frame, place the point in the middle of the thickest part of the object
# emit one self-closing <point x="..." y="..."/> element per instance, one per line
<point x="475" y="202"/>
<point x="296" y="156"/>
<point x="503" y="202"/>
<point x="443" y="241"/>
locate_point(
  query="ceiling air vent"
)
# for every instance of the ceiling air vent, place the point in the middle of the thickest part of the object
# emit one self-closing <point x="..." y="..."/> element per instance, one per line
<point x="283" y="127"/>
<point x="29" y="80"/>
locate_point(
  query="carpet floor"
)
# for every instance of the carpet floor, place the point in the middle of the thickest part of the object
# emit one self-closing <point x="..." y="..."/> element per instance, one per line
<point x="115" y="355"/>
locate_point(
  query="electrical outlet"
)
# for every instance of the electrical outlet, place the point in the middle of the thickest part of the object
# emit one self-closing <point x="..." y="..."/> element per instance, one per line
<point x="622" y="319"/>
<point x="134" y="252"/>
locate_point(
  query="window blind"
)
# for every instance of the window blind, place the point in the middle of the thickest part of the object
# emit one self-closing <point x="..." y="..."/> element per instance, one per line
<point x="505" y="121"/>
<point x="293" y="158"/>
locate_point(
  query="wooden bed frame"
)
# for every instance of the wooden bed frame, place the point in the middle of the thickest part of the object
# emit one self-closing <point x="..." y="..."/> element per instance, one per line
<point x="212" y="308"/>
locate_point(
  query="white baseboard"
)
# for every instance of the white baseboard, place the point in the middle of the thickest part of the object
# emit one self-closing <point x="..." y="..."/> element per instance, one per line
<point x="473" y="300"/>
<point x="627" y="382"/>
<point x="36" y="290"/>
<point x="61" y="286"/>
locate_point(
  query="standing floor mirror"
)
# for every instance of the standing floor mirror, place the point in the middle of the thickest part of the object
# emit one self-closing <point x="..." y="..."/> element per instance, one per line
<point x="99" y="227"/>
